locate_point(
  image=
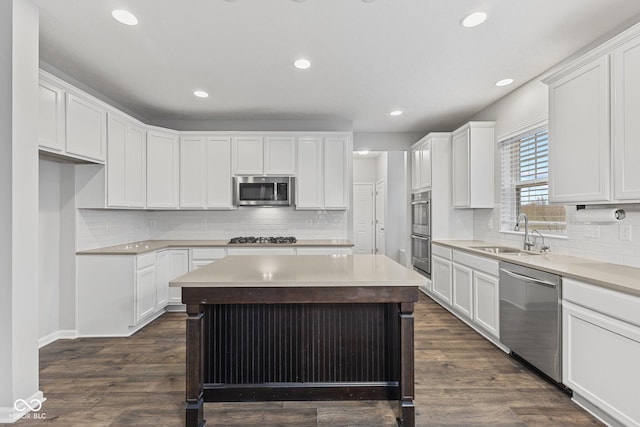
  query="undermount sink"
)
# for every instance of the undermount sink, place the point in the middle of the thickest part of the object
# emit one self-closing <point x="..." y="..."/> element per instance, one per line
<point x="504" y="250"/>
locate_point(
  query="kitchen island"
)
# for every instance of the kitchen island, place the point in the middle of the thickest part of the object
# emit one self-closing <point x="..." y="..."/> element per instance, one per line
<point x="302" y="327"/>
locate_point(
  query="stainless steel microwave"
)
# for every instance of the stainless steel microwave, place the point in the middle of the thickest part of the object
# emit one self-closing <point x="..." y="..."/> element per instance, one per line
<point x="263" y="191"/>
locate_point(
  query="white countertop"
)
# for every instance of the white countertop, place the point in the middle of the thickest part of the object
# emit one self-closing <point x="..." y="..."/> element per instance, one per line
<point x="612" y="276"/>
<point x="301" y="270"/>
<point x="137" y="248"/>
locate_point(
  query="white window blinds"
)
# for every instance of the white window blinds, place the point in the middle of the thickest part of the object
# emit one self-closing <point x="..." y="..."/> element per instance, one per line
<point x="525" y="188"/>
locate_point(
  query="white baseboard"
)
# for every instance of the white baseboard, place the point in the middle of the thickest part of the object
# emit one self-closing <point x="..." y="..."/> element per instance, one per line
<point x="596" y="411"/>
<point x="9" y="415"/>
<point x="176" y="308"/>
<point x="57" y="335"/>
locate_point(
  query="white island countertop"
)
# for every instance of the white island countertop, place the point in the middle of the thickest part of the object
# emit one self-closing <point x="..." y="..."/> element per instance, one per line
<point x="301" y="270"/>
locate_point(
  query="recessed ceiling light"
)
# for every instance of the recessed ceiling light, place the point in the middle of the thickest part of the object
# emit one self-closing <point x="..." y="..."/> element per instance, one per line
<point x="504" y="82"/>
<point x="201" y="94"/>
<point x="395" y="113"/>
<point x="474" y="19"/>
<point x="124" y="17"/>
<point x="302" y="64"/>
<point x="362" y="152"/>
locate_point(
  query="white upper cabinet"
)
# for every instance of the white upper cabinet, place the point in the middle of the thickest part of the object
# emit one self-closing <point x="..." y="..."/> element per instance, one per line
<point x="425" y="165"/>
<point x="248" y="155"/>
<point x="126" y="162"/>
<point x="579" y="135"/>
<point x="626" y="121"/>
<point x="269" y="155"/>
<point x="322" y="179"/>
<point x="421" y="165"/>
<point x="86" y="127"/>
<point x="280" y="155"/>
<point x="51" y="117"/>
<point x="162" y="169"/>
<point x="309" y="183"/>
<point x="472" y="166"/>
<point x="415" y="166"/>
<point x="594" y="132"/>
<point x="335" y="173"/>
<point x="70" y="123"/>
<point x="205" y="172"/>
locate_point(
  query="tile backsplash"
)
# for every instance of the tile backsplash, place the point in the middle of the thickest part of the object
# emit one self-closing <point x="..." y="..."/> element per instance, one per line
<point x="248" y="222"/>
<point x="600" y="242"/>
<point x="99" y="228"/>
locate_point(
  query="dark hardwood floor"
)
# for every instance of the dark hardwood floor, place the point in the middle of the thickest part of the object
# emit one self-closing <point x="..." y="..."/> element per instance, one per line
<point x="461" y="380"/>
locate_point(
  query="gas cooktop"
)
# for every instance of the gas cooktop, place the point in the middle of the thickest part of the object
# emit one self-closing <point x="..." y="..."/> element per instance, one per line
<point x="251" y="239"/>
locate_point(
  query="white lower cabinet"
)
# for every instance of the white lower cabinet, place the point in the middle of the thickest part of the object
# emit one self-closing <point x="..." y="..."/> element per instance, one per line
<point x="601" y="350"/>
<point x="467" y="285"/>
<point x="463" y="290"/>
<point x="203" y="256"/>
<point x="441" y="272"/>
<point x="145" y="287"/>
<point x="116" y="294"/>
<point x="170" y="264"/>
<point x="486" y="308"/>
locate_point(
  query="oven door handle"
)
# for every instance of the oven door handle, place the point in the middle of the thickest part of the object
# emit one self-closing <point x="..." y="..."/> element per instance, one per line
<point x="420" y="202"/>
<point x="413" y="236"/>
<point x="529" y="279"/>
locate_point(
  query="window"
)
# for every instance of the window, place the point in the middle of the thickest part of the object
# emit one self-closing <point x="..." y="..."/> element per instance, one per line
<point x="525" y="185"/>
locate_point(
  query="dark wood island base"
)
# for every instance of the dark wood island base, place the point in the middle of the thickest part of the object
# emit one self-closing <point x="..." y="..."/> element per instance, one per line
<point x="299" y="343"/>
<point x="300" y="327"/>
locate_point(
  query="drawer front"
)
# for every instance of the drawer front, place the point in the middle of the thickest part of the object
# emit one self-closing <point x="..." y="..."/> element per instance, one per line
<point x="208" y="253"/>
<point x="483" y="264"/>
<point x="441" y="251"/>
<point x="146" y="260"/>
<point x="615" y="304"/>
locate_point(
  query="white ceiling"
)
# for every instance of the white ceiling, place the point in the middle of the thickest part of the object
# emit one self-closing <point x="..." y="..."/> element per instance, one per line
<point x="369" y="58"/>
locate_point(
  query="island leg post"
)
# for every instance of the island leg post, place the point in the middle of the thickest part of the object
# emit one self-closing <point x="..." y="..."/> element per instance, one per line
<point x="406" y="410"/>
<point x="194" y="416"/>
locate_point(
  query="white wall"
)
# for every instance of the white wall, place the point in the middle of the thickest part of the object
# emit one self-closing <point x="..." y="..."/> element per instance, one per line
<point x="49" y="250"/>
<point x="385" y="141"/>
<point x="19" y="370"/>
<point x="364" y="170"/>
<point x="397" y="237"/>
<point x="522" y="107"/>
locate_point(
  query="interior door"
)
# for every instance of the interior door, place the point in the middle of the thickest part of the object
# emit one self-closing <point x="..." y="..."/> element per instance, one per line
<point x="380" y="221"/>
<point x="363" y="218"/>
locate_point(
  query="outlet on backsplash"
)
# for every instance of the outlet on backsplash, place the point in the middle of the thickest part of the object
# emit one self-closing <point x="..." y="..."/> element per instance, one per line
<point x="592" y="231"/>
<point x="625" y="232"/>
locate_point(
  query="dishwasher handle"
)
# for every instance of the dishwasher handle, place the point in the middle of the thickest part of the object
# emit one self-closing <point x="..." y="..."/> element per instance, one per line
<point x="529" y="279"/>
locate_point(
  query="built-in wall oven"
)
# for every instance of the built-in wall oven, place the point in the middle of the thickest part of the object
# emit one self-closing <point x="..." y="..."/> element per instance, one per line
<point x="421" y="232"/>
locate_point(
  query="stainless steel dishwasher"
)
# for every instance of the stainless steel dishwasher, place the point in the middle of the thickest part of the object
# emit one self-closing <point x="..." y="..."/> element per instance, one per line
<point x="530" y="317"/>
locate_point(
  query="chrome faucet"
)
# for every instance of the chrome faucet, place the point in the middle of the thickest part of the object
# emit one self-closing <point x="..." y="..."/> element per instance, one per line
<point x="527" y="244"/>
<point x="543" y="247"/>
